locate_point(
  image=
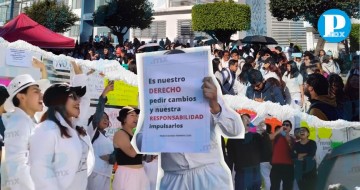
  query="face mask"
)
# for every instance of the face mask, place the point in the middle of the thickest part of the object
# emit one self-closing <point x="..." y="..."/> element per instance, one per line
<point x="283" y="133"/>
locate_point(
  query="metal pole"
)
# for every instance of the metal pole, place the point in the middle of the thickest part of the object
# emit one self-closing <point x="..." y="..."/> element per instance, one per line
<point x="12" y="3"/>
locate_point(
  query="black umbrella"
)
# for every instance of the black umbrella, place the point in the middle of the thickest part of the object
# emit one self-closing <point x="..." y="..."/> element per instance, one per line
<point x="149" y="47"/>
<point x="209" y="42"/>
<point x="200" y="38"/>
<point x="258" y="40"/>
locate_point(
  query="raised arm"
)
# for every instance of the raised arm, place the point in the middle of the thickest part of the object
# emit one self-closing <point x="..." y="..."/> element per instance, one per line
<point x="228" y="120"/>
<point x="39" y="64"/>
<point x="80" y="79"/>
<point x="101" y="105"/>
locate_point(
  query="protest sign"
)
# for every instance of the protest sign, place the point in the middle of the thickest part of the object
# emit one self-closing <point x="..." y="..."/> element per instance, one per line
<point x="95" y="85"/>
<point x="61" y="64"/>
<point x="18" y="57"/>
<point x="122" y="95"/>
<point x="176" y="115"/>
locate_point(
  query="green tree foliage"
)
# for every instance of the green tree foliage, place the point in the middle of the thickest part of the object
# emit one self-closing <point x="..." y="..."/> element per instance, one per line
<point x="311" y="10"/>
<point x="121" y="15"/>
<point x="354" y="37"/>
<point x="221" y="19"/>
<point x="57" y="17"/>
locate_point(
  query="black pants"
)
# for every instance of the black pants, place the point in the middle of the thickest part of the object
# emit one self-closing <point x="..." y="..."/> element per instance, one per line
<point x="308" y="180"/>
<point x="284" y="173"/>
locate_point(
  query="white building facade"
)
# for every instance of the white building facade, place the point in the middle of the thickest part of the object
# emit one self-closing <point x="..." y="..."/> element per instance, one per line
<point x="172" y="19"/>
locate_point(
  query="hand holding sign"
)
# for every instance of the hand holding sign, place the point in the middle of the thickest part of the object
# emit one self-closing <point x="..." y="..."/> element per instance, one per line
<point x="37" y="63"/>
<point x="90" y="72"/>
<point x="108" y="88"/>
<point x="210" y="93"/>
<point x="41" y="65"/>
<point x="76" y="67"/>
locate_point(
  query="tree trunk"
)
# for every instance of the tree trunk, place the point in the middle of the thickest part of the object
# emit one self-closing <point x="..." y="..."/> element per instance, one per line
<point x="319" y="46"/>
<point x="347" y="47"/>
<point x="120" y="37"/>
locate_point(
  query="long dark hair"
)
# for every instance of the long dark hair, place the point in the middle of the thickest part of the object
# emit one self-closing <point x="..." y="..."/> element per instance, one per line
<point x="243" y="77"/>
<point x="215" y="64"/>
<point x="277" y="71"/>
<point x="339" y="93"/>
<point x="294" y="71"/>
<point x="350" y="92"/>
<point x="97" y="132"/>
<point x="50" y="115"/>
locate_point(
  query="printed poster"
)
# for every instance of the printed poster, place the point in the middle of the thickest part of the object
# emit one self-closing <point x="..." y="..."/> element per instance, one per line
<point x="176" y="115"/>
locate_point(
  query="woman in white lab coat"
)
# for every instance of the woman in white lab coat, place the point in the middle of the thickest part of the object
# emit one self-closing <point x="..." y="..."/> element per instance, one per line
<point x="61" y="154"/>
<point x="103" y="146"/>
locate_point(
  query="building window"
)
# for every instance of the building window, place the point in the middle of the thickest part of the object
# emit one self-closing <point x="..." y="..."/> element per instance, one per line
<point x="156" y="31"/>
<point x="184" y="28"/>
<point x="74" y="31"/>
<point x="76" y="4"/>
<point x="179" y="3"/>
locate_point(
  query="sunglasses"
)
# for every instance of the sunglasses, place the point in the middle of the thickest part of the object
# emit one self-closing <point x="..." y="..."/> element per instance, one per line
<point x="74" y="96"/>
<point x="286" y="125"/>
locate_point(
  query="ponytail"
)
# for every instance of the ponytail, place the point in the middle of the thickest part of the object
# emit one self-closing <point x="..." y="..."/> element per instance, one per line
<point x="96" y="136"/>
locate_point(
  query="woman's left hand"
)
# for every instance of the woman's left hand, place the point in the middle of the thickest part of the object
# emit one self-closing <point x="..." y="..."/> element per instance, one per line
<point x="105" y="157"/>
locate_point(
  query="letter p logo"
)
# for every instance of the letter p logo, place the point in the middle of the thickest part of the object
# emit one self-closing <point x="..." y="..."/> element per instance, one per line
<point x="334" y="25"/>
<point x="333" y="22"/>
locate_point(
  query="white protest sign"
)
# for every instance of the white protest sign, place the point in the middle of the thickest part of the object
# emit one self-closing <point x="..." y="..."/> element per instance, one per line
<point x="95" y="85"/>
<point x="61" y="64"/>
<point x="176" y="115"/>
<point x="18" y="57"/>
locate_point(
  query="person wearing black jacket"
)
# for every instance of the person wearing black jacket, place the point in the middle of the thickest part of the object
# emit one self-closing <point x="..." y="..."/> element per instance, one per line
<point x="244" y="156"/>
<point x="261" y="90"/>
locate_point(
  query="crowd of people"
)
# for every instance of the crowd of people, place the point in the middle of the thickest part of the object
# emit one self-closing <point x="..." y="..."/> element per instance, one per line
<point x="307" y="82"/>
<point x="296" y="79"/>
<point x="67" y="150"/>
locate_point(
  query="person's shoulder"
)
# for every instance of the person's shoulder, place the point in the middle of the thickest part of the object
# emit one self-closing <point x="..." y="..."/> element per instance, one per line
<point x="121" y="134"/>
<point x="15" y="120"/>
<point x="47" y="126"/>
<point x="312" y="142"/>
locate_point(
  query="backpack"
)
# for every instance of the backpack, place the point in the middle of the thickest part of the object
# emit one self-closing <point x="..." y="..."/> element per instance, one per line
<point x="227" y="87"/>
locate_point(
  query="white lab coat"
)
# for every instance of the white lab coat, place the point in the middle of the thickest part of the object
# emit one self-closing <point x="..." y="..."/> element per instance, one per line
<point x="55" y="160"/>
<point x="15" y="170"/>
<point x="100" y="178"/>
